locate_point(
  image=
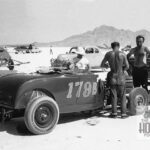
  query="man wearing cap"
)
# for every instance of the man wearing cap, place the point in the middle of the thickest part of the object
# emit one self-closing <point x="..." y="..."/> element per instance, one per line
<point x="116" y="78"/>
<point x="80" y="63"/>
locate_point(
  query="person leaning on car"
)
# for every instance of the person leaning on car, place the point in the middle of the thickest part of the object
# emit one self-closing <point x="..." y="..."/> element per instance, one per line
<point x="80" y="63"/>
<point x="139" y="69"/>
<point x="116" y="77"/>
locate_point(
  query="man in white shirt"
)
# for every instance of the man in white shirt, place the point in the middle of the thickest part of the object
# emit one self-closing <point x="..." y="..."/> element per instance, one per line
<point x="80" y="63"/>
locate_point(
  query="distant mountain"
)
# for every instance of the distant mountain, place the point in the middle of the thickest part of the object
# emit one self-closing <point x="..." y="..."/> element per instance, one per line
<point x="100" y="36"/>
<point x="103" y="35"/>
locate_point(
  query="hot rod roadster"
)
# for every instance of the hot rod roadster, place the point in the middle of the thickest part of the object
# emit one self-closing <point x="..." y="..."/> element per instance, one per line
<point x="41" y="97"/>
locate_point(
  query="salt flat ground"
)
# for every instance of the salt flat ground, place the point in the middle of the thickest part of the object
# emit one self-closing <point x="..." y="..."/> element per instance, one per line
<point x="74" y="132"/>
<point x="37" y="59"/>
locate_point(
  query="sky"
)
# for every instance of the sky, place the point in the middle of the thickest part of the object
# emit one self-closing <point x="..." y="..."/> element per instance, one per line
<point x="26" y="21"/>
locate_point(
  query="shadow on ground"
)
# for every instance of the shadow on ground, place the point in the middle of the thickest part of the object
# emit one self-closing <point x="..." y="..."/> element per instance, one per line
<point x="17" y="126"/>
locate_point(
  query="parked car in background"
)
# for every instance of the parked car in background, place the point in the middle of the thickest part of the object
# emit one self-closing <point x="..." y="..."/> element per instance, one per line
<point x="92" y="50"/>
<point x="26" y="49"/>
<point x="21" y="49"/>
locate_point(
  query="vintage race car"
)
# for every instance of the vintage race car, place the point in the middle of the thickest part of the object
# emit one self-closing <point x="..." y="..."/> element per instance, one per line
<point x="42" y="97"/>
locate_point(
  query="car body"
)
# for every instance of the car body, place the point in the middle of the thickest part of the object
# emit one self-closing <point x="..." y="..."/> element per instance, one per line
<point x="70" y="92"/>
<point x="17" y="86"/>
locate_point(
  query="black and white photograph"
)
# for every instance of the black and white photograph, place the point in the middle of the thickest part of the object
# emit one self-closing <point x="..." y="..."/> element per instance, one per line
<point x="74" y="74"/>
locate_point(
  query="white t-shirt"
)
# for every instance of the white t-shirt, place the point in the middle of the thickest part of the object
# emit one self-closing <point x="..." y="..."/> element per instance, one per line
<point x="83" y="63"/>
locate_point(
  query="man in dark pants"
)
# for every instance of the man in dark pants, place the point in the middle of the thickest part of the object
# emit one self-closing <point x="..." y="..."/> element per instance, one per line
<point x="116" y="78"/>
<point x="139" y="69"/>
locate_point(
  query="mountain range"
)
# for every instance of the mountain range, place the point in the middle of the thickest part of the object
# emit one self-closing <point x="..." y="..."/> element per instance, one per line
<point x="103" y="35"/>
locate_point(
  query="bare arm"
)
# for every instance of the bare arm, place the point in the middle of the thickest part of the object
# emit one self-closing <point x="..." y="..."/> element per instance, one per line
<point x="147" y="50"/>
<point x="126" y="63"/>
<point x="104" y="60"/>
<point x="130" y="53"/>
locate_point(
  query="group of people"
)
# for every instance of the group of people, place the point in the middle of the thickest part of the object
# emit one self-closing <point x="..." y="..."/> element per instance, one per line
<point x="119" y="64"/>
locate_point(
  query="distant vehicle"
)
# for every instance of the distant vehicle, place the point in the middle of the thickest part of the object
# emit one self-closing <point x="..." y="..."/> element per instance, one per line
<point x="92" y="50"/>
<point x="35" y="50"/>
<point x="88" y="50"/>
<point x="26" y="49"/>
<point x="21" y="49"/>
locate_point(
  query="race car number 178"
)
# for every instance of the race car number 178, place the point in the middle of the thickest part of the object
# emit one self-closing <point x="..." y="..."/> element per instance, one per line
<point x="89" y="88"/>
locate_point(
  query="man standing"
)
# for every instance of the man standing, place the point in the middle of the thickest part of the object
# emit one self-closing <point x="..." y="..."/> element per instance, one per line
<point x="139" y="69"/>
<point x="116" y="77"/>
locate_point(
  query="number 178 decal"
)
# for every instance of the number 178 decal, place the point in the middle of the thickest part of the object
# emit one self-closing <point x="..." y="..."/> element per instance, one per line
<point x="88" y="89"/>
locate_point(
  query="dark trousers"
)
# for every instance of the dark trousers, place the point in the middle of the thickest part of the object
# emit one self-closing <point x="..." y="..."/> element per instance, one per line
<point x="118" y="93"/>
<point x="140" y="77"/>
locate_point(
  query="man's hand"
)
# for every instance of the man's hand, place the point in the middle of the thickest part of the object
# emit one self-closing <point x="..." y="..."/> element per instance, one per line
<point x="71" y="66"/>
<point x="103" y="69"/>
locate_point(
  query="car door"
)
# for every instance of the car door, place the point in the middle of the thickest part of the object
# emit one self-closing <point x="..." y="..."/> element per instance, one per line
<point x="87" y="89"/>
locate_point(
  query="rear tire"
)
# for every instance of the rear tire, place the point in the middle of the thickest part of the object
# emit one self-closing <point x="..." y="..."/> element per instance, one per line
<point x="138" y="101"/>
<point x="41" y="115"/>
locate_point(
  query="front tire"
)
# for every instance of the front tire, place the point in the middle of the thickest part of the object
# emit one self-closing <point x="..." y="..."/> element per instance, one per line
<point x="138" y="101"/>
<point x="41" y="115"/>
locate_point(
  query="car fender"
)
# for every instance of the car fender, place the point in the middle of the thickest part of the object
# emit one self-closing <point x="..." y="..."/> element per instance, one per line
<point x="24" y="92"/>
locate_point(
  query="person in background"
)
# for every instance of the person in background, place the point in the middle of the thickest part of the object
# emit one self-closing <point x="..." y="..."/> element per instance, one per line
<point x="29" y="50"/>
<point x="139" y="68"/>
<point x="51" y="50"/>
<point x="80" y="63"/>
<point x="30" y="47"/>
<point x="116" y="78"/>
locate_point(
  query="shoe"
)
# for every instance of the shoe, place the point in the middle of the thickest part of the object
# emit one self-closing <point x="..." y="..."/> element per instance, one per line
<point x="124" y="116"/>
<point x="113" y="116"/>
